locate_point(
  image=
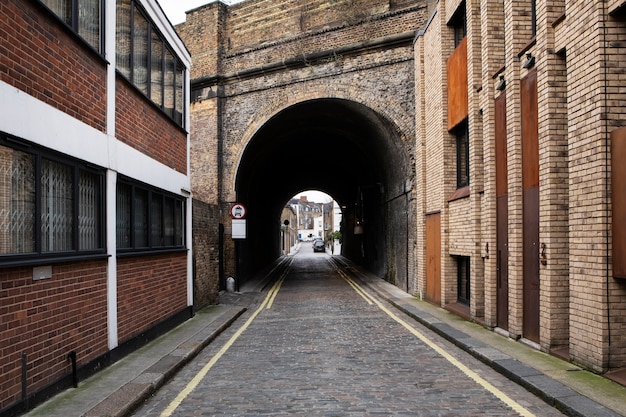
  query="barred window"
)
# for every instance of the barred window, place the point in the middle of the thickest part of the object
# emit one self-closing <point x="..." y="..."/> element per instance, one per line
<point x="49" y="205"/>
<point x="148" y="218"/>
<point x="83" y="16"/>
<point x="146" y="60"/>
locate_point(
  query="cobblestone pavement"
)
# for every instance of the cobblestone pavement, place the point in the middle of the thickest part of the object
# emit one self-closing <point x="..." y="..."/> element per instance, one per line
<point x="322" y="349"/>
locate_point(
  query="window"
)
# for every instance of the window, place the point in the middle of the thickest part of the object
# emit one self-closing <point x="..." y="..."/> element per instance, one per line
<point x="463" y="279"/>
<point x="462" y="154"/>
<point x="145" y="59"/>
<point x="533" y="16"/>
<point x="49" y="205"/>
<point x="459" y="24"/>
<point x="83" y="16"/>
<point x="148" y="219"/>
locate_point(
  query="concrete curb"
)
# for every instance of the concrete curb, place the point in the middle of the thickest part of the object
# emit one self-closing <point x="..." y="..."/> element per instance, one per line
<point x="553" y="392"/>
<point x="131" y="395"/>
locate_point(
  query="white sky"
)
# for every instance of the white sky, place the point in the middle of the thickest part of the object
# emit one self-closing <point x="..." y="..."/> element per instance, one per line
<point x="175" y="9"/>
<point x="315" y="196"/>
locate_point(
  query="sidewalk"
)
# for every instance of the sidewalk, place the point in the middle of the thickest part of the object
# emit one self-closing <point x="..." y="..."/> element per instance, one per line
<point x="569" y="388"/>
<point x="120" y="388"/>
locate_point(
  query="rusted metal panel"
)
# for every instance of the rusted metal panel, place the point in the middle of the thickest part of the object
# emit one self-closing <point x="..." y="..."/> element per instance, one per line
<point x="501" y="149"/>
<point x="433" y="258"/>
<point x="530" y="130"/>
<point x="530" y="204"/>
<point x="618" y="181"/>
<point x="457" y="85"/>
<point x="502" y="216"/>
<point x="531" y="263"/>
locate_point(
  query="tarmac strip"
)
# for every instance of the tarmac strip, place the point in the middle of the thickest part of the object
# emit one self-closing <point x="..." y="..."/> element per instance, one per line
<point x="518" y="408"/>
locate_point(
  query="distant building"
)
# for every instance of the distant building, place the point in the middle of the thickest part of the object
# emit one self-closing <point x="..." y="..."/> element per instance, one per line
<point x="95" y="248"/>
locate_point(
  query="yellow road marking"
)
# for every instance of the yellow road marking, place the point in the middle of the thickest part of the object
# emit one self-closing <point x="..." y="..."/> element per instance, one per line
<point x="471" y="374"/>
<point x="276" y="288"/>
<point x="354" y="285"/>
<point x="169" y="410"/>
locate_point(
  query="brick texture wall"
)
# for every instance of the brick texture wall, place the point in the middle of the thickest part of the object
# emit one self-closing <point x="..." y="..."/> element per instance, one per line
<point x="43" y="58"/>
<point x="228" y="43"/>
<point x="205" y="253"/>
<point x="47" y="319"/>
<point x="578" y="58"/>
<point x="150" y="289"/>
<point x="141" y="125"/>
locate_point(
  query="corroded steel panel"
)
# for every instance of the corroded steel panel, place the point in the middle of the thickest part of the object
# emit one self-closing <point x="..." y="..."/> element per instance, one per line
<point x="457" y="85"/>
<point x="618" y="181"/>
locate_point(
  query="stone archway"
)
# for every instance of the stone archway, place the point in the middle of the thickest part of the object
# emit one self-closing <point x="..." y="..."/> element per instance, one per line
<point x="350" y="152"/>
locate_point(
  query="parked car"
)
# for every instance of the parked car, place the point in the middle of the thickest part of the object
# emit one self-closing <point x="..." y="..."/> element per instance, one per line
<point x="319" y="246"/>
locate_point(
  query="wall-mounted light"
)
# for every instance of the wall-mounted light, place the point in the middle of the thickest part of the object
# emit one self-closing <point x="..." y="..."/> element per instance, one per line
<point x="530" y="61"/>
<point x="501" y="84"/>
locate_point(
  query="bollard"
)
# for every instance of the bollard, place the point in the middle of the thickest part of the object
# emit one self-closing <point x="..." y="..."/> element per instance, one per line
<point x="230" y="284"/>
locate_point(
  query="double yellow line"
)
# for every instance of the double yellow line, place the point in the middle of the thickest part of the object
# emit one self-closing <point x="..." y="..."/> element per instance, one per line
<point x="518" y="408"/>
<point x="191" y="385"/>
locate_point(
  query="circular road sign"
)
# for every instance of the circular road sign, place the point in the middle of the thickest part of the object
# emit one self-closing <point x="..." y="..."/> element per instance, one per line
<point x="238" y="211"/>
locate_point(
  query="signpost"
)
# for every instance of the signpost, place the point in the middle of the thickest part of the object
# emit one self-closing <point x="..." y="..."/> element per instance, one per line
<point x="238" y="213"/>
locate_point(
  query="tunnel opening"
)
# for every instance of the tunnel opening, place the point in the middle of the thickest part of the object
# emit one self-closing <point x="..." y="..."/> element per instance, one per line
<point x="343" y="149"/>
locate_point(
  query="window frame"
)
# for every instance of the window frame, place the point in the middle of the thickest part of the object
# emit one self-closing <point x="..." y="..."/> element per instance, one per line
<point x="463" y="280"/>
<point x="76" y="166"/>
<point x="154" y="196"/>
<point x="74" y="23"/>
<point x="458" y="22"/>
<point x="177" y="111"/>
<point x="461" y="133"/>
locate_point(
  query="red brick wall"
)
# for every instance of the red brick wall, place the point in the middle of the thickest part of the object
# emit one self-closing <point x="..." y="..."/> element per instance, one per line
<point x="47" y="319"/>
<point x="143" y="126"/>
<point x="150" y="289"/>
<point x="43" y="58"/>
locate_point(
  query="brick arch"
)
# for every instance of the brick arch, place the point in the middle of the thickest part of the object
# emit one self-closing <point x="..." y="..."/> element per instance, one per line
<point x="357" y="155"/>
<point x="389" y="110"/>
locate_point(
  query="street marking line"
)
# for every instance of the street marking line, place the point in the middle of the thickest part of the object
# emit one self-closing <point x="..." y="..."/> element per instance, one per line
<point x="518" y="408"/>
<point x="275" y="289"/>
<point x="356" y="288"/>
<point x="195" y="381"/>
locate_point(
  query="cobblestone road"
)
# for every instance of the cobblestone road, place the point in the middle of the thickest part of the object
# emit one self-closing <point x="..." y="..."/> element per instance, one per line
<point x="319" y="348"/>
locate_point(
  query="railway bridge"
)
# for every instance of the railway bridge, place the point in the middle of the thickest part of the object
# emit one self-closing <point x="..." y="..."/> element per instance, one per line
<point x="295" y="95"/>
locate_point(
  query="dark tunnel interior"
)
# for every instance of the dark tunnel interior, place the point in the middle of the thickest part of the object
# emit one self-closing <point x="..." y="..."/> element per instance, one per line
<point x="336" y="146"/>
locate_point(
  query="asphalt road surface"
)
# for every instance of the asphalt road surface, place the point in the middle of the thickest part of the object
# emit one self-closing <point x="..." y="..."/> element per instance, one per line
<point x="318" y="344"/>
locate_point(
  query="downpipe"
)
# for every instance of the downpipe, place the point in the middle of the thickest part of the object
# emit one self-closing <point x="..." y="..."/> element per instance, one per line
<point x="72" y="357"/>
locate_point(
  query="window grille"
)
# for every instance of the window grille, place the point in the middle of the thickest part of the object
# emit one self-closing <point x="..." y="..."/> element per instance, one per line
<point x="56" y="207"/>
<point x="83" y="16"/>
<point x="146" y="60"/>
<point x="48" y="206"/>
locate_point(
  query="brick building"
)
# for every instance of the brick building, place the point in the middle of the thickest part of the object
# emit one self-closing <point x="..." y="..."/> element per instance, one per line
<point x="474" y="144"/>
<point x="273" y="79"/>
<point x="95" y="212"/>
<point x="515" y="184"/>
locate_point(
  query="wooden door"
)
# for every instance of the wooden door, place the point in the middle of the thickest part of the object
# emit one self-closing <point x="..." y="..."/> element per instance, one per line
<point x="502" y="216"/>
<point x="530" y="205"/>
<point x="433" y="258"/>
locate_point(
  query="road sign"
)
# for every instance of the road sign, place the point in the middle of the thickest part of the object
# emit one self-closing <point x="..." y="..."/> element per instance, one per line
<point x="238" y="211"/>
